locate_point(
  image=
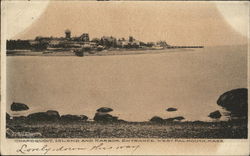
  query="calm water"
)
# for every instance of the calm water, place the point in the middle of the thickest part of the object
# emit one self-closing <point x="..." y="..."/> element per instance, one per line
<point x="137" y="87"/>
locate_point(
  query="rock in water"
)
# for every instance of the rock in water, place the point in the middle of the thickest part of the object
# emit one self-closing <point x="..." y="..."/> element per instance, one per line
<point x="18" y="106"/>
<point x="215" y="115"/>
<point x="157" y="119"/>
<point x="102" y="117"/>
<point x="104" y="109"/>
<point x="50" y="115"/>
<point x="39" y="116"/>
<point x="171" y="109"/>
<point x="235" y="101"/>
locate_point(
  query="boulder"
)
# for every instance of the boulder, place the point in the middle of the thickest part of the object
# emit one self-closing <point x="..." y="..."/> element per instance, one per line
<point x="171" y="109"/>
<point x="18" y="106"/>
<point x="50" y="115"/>
<point x="104" y="110"/>
<point x="235" y="101"/>
<point x="215" y="115"/>
<point x="157" y="119"/>
<point x="39" y="116"/>
<point x="102" y="117"/>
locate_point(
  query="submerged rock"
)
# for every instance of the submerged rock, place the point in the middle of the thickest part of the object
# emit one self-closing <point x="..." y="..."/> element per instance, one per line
<point x="70" y="117"/>
<point x="178" y="118"/>
<point x="171" y="109"/>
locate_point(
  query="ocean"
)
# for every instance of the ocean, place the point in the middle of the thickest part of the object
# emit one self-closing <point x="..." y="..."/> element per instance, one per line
<point x="137" y="87"/>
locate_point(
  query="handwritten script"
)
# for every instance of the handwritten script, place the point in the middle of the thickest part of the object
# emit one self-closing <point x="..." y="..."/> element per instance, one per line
<point x="46" y="149"/>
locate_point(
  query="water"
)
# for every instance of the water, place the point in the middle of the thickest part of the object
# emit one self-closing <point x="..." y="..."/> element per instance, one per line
<point x="137" y="87"/>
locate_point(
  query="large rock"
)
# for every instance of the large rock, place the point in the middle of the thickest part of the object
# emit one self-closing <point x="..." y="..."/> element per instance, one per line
<point x="50" y="115"/>
<point x="39" y="116"/>
<point x="18" y="106"/>
<point x="235" y="101"/>
<point x="157" y="119"/>
<point x="215" y="115"/>
<point x="103" y="117"/>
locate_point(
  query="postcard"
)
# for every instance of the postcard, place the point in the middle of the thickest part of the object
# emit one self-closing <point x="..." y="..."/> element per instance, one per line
<point x="124" y="78"/>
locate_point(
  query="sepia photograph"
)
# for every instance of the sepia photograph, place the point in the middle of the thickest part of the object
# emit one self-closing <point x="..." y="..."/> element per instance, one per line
<point x="124" y="70"/>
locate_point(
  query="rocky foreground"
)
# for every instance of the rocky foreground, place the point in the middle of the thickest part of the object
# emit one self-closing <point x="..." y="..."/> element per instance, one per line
<point x="91" y="129"/>
<point x="51" y="124"/>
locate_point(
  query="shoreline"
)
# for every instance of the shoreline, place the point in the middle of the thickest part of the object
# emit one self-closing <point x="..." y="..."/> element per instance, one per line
<point x="97" y="53"/>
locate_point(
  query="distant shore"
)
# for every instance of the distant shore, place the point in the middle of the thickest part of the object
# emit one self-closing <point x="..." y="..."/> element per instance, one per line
<point x="94" y="53"/>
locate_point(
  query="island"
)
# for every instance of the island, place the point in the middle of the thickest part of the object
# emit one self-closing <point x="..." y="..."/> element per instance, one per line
<point x="84" y="46"/>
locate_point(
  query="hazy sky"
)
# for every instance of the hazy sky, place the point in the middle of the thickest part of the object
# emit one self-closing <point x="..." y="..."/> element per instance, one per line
<point x="179" y="23"/>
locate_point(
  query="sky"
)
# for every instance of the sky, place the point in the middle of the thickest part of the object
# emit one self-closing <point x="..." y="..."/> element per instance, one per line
<point x="178" y="23"/>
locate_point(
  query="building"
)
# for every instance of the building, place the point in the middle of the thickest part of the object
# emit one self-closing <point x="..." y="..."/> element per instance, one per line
<point x="122" y="43"/>
<point x="130" y="43"/>
<point x="108" y="41"/>
<point x="131" y="39"/>
<point x="84" y="37"/>
<point x="67" y="34"/>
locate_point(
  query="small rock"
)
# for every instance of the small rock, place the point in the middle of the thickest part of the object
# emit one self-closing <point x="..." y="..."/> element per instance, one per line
<point x="171" y="109"/>
<point x="215" y="115"/>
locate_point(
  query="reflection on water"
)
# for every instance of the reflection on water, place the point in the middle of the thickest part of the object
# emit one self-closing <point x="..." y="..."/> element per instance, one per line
<point x="137" y="87"/>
